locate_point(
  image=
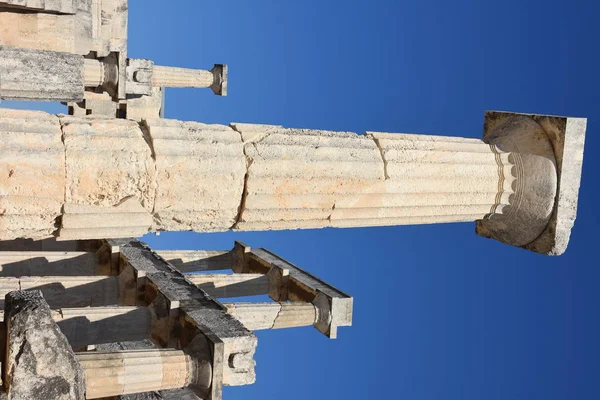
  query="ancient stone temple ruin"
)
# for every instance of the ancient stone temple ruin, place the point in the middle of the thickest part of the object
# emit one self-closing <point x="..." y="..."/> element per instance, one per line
<point x="74" y="189"/>
<point x="122" y="319"/>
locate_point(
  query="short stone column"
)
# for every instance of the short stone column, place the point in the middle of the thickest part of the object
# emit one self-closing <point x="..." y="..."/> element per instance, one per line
<point x="260" y="316"/>
<point x="128" y="372"/>
<point x="173" y="77"/>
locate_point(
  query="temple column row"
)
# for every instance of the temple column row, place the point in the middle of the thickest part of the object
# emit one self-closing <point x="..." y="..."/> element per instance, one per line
<point x="125" y="178"/>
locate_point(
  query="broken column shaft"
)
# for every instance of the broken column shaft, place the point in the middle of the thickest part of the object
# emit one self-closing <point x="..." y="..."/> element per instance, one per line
<point x="129" y="372"/>
<point x="518" y="184"/>
<point x="260" y="316"/>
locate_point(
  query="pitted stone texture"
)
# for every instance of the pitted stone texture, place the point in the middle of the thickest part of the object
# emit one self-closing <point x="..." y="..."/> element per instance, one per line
<point x="59" y="6"/>
<point x="40" y="31"/>
<point x="32" y="174"/>
<point x="27" y="74"/>
<point x="108" y="161"/>
<point x="39" y="361"/>
<point x="431" y="179"/>
<point x="200" y="175"/>
<point x="127" y="219"/>
<point x="296" y="177"/>
<point x="567" y="137"/>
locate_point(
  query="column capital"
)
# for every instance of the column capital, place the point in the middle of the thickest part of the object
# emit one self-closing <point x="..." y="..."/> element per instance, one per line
<point x="547" y="154"/>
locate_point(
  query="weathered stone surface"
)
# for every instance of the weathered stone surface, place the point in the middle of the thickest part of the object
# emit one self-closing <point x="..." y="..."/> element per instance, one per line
<point x="430" y="179"/>
<point x="27" y="74"/>
<point x="200" y="175"/>
<point x="231" y="285"/>
<point x="198" y="260"/>
<point x="296" y="177"/>
<point x="58" y="6"/>
<point x="125" y="219"/>
<point x="259" y="316"/>
<point x="146" y="107"/>
<point x="564" y="139"/>
<point x="108" y="161"/>
<point x="32" y="174"/>
<point x="39" y="361"/>
<point x="47" y="263"/>
<point x="67" y="291"/>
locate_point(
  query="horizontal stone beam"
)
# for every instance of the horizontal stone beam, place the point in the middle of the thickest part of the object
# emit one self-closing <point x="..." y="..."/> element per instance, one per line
<point x="198" y="260"/>
<point x="231" y="285"/>
<point x="260" y="316"/>
<point x="48" y="263"/>
<point x="67" y="291"/>
<point x="99" y="325"/>
<point x="35" y="75"/>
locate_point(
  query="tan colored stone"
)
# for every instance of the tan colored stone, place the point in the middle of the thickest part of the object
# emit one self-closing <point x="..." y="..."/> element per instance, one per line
<point x="108" y="161"/>
<point x="260" y="316"/>
<point x="296" y="176"/>
<point x="231" y="285"/>
<point x="32" y="177"/>
<point x="200" y="175"/>
<point x="124" y="220"/>
<point x="127" y="372"/>
<point x="197" y="260"/>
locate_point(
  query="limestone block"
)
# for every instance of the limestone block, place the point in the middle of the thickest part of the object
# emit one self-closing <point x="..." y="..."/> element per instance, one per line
<point x="146" y="107"/>
<point x="259" y="316"/>
<point x="67" y="291"/>
<point x="47" y="263"/>
<point x="197" y="260"/>
<point x="108" y="161"/>
<point x="39" y="361"/>
<point x="335" y="308"/>
<point x="231" y="285"/>
<point x="127" y="219"/>
<point x="27" y="74"/>
<point x="200" y="175"/>
<point x="32" y="174"/>
<point x="39" y="31"/>
<point x="126" y="372"/>
<point x="296" y="177"/>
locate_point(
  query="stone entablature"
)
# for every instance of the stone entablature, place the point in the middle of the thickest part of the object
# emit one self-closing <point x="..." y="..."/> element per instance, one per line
<point x="195" y="342"/>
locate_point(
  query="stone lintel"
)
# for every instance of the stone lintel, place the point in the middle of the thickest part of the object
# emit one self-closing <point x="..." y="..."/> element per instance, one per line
<point x="567" y="136"/>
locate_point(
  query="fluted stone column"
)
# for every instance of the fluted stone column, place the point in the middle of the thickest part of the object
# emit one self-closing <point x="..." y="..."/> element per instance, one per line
<point x="231" y="285"/>
<point x="260" y="316"/>
<point x="173" y="77"/>
<point x="125" y="178"/>
<point x="128" y="372"/>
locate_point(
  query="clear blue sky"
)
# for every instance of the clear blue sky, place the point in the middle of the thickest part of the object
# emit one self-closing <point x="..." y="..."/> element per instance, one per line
<point x="440" y="313"/>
